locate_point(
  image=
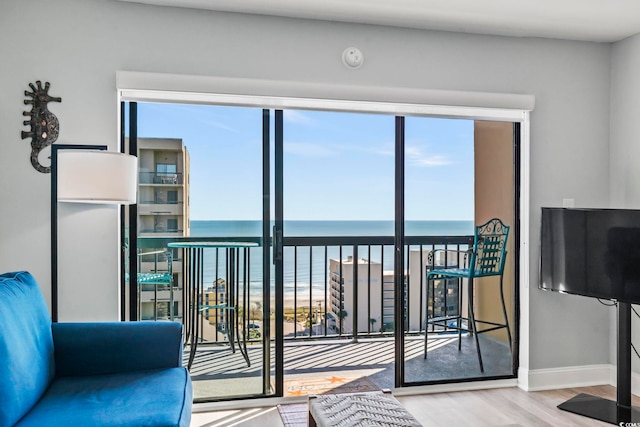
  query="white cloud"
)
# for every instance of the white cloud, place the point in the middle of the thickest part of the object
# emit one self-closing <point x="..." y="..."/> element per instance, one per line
<point x="417" y="157"/>
<point x="216" y="124"/>
<point x="294" y="116"/>
<point x="387" y="152"/>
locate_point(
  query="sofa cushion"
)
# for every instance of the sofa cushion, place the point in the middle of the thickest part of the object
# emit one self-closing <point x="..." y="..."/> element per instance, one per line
<point x="114" y="347"/>
<point x="163" y="396"/>
<point x="26" y="346"/>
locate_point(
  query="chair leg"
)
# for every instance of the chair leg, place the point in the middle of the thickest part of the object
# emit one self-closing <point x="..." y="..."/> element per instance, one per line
<point x="426" y="339"/>
<point x="504" y="311"/>
<point x="194" y="337"/>
<point x="426" y="323"/>
<point x="473" y="325"/>
<point x="433" y="303"/>
<point x="459" y="319"/>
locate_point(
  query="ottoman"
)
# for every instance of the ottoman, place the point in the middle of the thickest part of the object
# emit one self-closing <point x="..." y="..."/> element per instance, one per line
<point x="378" y="408"/>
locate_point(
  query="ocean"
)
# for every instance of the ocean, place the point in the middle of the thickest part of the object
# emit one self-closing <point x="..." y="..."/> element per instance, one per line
<point x="331" y="228"/>
<point x="297" y="275"/>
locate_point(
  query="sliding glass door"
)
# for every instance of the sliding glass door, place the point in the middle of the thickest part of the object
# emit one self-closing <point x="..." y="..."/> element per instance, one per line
<point x="338" y="198"/>
<point x="203" y="220"/>
<point x="300" y="242"/>
<point x="456" y="175"/>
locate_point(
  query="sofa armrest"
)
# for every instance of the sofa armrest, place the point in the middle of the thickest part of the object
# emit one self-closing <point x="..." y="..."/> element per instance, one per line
<point x="113" y="347"/>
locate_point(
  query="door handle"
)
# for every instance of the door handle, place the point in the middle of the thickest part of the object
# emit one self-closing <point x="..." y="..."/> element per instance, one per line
<point x="277" y="244"/>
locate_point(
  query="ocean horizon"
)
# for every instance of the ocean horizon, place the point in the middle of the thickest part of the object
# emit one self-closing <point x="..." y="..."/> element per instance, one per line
<point x="297" y="228"/>
<point x="298" y="279"/>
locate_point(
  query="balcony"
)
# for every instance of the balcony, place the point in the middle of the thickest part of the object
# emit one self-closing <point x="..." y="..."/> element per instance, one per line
<point x="158" y="207"/>
<point x="166" y="232"/>
<point x="160" y="178"/>
<point x="326" y="332"/>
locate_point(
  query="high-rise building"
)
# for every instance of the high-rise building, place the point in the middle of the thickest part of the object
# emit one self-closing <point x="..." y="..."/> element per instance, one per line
<point x="163" y="211"/>
<point x="440" y="298"/>
<point x="376" y="296"/>
<point x="215" y="295"/>
<point x="342" y="296"/>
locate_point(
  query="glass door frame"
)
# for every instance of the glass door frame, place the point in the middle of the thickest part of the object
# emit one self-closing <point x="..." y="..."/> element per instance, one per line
<point x="278" y="250"/>
<point x="399" y="260"/>
<point x="398" y="250"/>
<point x="515" y="114"/>
<point x="130" y="221"/>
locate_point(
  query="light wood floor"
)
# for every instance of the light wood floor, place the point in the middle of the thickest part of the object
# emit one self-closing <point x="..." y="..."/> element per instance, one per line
<point x="510" y="407"/>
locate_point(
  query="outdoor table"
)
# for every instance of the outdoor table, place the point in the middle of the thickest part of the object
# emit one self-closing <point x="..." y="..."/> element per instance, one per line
<point x="194" y="288"/>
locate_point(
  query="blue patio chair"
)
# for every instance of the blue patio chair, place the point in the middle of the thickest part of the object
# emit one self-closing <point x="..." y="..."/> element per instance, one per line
<point x="485" y="259"/>
<point x="157" y="278"/>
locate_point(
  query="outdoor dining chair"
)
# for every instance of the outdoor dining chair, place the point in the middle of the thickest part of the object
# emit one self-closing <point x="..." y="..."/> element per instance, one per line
<point x="485" y="259"/>
<point x="157" y="278"/>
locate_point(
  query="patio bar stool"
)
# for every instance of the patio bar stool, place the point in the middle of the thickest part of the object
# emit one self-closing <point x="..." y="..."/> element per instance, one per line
<point x="485" y="259"/>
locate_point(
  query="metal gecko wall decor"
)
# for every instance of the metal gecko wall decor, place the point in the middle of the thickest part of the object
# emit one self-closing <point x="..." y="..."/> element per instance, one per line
<point x="44" y="125"/>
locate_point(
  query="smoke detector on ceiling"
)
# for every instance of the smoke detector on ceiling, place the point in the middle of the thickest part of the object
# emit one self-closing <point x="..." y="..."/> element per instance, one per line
<point x="352" y="58"/>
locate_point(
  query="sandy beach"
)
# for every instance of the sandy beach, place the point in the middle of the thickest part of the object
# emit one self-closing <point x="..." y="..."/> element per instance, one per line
<point x="209" y="332"/>
<point x="291" y="323"/>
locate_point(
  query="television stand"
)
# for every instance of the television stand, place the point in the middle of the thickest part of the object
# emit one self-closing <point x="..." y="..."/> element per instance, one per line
<point x="620" y="410"/>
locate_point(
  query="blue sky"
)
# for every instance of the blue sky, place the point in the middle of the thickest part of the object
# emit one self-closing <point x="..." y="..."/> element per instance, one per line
<point x="337" y="166"/>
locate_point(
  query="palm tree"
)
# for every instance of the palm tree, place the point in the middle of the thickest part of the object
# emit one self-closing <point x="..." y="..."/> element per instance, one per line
<point x="343" y="313"/>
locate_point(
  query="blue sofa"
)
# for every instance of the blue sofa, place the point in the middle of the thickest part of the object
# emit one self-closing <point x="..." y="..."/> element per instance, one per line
<point x="86" y="374"/>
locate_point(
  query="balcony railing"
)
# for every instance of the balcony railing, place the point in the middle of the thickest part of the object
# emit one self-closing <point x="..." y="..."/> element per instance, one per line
<point x="160" y="202"/>
<point x="160" y="178"/>
<point x="161" y="230"/>
<point x="361" y="301"/>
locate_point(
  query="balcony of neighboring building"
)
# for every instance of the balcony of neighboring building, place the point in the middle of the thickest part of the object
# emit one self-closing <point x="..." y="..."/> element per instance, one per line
<point x="144" y="266"/>
<point x="160" y="230"/>
<point x="165" y="225"/>
<point x="160" y="201"/>
<point x="160" y="178"/>
<point x="162" y="161"/>
<point x="160" y="207"/>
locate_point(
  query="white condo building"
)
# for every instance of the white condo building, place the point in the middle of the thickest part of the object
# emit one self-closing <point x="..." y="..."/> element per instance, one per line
<point x="342" y="294"/>
<point x="376" y="296"/>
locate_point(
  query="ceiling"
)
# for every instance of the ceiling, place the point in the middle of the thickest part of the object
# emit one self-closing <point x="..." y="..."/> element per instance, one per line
<point x="590" y="20"/>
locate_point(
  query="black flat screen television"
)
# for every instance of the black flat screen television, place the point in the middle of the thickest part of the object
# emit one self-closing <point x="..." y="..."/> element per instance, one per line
<point x="591" y="252"/>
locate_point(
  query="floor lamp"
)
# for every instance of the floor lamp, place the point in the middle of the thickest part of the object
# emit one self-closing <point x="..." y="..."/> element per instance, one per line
<point x="87" y="174"/>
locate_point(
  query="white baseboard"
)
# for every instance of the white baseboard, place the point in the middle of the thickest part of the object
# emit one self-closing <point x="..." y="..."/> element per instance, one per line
<point x="635" y="382"/>
<point x="572" y="376"/>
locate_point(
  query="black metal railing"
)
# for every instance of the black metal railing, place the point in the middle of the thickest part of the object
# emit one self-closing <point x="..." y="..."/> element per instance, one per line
<point x="324" y="295"/>
<point x="160" y="202"/>
<point x="358" y="301"/>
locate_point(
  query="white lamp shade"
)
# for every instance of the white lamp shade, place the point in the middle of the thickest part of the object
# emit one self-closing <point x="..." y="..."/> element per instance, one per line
<point x="95" y="176"/>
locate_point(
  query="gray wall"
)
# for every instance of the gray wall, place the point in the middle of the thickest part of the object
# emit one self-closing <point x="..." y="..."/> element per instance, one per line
<point x="78" y="46"/>
<point x="625" y="126"/>
<point x="625" y="139"/>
